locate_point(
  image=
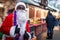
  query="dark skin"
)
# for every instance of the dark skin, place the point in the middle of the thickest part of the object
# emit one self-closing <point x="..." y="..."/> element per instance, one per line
<point x="20" y="7"/>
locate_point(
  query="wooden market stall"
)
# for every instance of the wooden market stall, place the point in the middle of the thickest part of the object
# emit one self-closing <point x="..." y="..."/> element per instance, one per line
<point x="36" y="16"/>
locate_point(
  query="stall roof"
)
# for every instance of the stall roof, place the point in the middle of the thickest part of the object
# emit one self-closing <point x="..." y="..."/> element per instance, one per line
<point x="54" y="4"/>
<point x="30" y="2"/>
<point x="53" y="8"/>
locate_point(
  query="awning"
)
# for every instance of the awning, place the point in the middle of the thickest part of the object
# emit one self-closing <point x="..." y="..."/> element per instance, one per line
<point x="53" y="8"/>
<point x="29" y="2"/>
<point x="54" y="4"/>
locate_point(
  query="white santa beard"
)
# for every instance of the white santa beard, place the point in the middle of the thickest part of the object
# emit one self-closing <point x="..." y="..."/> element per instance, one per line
<point x="21" y="16"/>
<point x="22" y="27"/>
<point x="21" y="22"/>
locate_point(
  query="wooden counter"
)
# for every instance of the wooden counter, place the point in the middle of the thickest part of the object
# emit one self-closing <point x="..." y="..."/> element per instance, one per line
<point x="38" y="29"/>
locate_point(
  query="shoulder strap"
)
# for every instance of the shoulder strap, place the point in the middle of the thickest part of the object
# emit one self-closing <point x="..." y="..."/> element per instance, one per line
<point x="14" y="18"/>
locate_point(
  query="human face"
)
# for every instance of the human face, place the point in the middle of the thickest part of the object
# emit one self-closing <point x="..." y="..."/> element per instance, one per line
<point x="21" y="13"/>
<point x="20" y="7"/>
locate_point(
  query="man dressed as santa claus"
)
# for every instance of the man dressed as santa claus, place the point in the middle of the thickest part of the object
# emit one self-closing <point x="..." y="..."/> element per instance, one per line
<point x="15" y="26"/>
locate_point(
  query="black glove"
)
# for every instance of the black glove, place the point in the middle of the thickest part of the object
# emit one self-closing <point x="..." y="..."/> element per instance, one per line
<point x="26" y="36"/>
<point x="17" y="30"/>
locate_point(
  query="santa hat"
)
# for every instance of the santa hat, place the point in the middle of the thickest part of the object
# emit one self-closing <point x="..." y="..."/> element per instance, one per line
<point x="20" y="3"/>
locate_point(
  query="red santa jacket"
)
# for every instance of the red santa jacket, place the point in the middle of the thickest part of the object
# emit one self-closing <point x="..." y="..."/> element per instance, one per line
<point x="7" y="25"/>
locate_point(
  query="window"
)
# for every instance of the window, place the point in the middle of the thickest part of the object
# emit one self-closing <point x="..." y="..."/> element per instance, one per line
<point x="31" y="12"/>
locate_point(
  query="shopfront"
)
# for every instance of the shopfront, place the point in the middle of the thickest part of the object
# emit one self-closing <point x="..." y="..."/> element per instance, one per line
<point x="36" y="16"/>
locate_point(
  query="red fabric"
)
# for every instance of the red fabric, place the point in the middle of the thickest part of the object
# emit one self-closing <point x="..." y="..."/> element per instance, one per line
<point x="9" y="38"/>
<point x="0" y="28"/>
<point x="6" y="25"/>
<point x="27" y="27"/>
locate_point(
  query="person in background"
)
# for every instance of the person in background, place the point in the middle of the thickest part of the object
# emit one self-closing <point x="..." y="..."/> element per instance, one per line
<point x="10" y="11"/>
<point x="50" y="19"/>
<point x="15" y="26"/>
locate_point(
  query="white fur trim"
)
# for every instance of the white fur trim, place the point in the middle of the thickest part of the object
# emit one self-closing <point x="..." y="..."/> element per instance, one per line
<point x="29" y="35"/>
<point x="23" y="28"/>
<point x="12" y="31"/>
<point x="20" y="3"/>
<point x="3" y="37"/>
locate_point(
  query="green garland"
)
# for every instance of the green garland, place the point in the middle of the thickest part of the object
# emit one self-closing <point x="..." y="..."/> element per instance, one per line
<point x="1" y="34"/>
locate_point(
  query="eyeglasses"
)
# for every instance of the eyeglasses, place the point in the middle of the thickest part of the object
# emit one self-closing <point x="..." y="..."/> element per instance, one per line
<point x="21" y="7"/>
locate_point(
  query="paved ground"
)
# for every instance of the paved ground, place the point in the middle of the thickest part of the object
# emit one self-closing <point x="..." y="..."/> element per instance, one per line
<point x="56" y="35"/>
